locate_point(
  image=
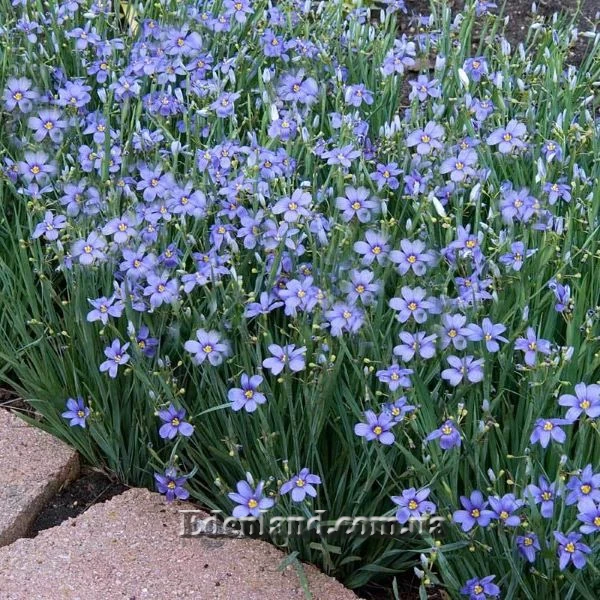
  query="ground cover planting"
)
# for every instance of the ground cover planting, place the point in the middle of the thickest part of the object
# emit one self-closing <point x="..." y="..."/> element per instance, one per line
<point x="290" y="257"/>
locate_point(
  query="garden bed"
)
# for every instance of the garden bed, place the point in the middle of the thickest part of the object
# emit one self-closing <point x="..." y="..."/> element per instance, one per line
<point x="314" y="262"/>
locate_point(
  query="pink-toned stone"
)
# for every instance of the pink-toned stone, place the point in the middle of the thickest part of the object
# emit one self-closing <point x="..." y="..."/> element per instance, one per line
<point x="130" y="547"/>
<point x="33" y="467"/>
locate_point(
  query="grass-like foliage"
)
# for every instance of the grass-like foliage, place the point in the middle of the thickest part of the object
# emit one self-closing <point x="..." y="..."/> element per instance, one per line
<point x="215" y="182"/>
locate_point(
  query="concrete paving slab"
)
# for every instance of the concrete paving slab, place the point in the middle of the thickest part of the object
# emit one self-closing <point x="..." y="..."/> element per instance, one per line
<point x="130" y="548"/>
<point x="33" y="467"/>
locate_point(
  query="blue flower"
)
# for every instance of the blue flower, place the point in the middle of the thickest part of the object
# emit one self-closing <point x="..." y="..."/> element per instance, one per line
<point x="301" y="485"/>
<point x="171" y="484"/>
<point x="250" y="502"/>
<point x="247" y="397"/>
<point x="117" y="356"/>
<point x="174" y="423"/>
<point x="413" y="504"/>
<point x="481" y="588"/>
<point x="571" y="550"/>
<point x="377" y="427"/>
<point x="77" y="412"/>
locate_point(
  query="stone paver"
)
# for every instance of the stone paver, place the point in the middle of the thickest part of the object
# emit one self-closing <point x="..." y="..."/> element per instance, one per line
<point x="130" y="548"/>
<point x="33" y="467"/>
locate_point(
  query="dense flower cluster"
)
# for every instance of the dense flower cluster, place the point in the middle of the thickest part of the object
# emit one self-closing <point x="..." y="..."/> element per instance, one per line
<point x="247" y="217"/>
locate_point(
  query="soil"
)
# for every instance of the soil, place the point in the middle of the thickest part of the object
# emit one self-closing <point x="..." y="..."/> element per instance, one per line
<point x="10" y="400"/>
<point x="520" y="15"/>
<point x="91" y="488"/>
<point x="408" y="589"/>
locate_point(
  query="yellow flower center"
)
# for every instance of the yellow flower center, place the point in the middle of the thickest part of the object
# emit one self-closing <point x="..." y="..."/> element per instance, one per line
<point x="377" y="430"/>
<point x="452" y="333"/>
<point x="300" y="482"/>
<point x="527" y="541"/>
<point x="570" y="548"/>
<point x="207" y="349"/>
<point x="171" y="485"/>
<point x="412" y="505"/>
<point x="412" y="306"/>
<point x="471" y="244"/>
<point x="80" y="414"/>
<point x="412" y="259"/>
<point x="360" y="288"/>
<point x="356" y="205"/>
<point x="48" y="125"/>
<point x="376" y="249"/>
<point x="548" y="426"/>
<point x="504" y="515"/>
<point x="18" y="96"/>
<point x="478" y="589"/>
<point x="459" y="166"/>
<point x="161" y="288"/>
<point x="586" y="488"/>
<point x="507" y="137"/>
<point x="425" y="138"/>
<point x="175" y="422"/>
<point x="475" y="513"/>
<point x="346" y="314"/>
<point x="35" y="169"/>
<point x="87" y="249"/>
<point x="248" y="394"/>
<point x="585" y="404"/>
